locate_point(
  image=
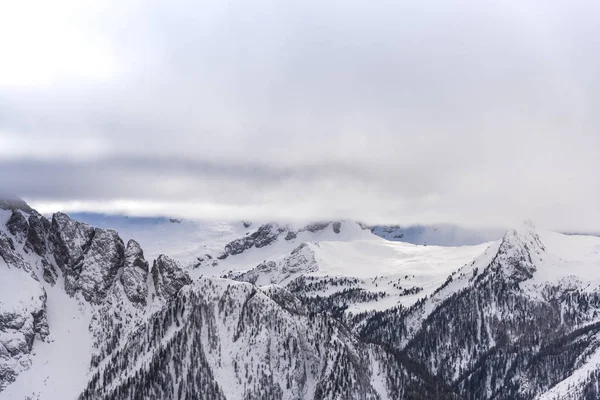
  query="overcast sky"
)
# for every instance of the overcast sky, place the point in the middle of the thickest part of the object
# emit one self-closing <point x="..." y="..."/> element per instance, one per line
<point x="474" y="112"/>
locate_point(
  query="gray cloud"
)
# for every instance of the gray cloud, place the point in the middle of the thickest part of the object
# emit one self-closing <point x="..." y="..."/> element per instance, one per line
<point x="453" y="111"/>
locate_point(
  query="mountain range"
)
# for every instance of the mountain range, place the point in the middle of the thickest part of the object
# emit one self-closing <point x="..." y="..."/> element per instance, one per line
<point x="175" y="309"/>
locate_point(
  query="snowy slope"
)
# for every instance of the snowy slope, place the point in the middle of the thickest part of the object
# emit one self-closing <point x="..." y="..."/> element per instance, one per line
<point x="399" y="273"/>
<point x="440" y="234"/>
<point x="568" y="257"/>
<point x="274" y="241"/>
<point x="60" y="363"/>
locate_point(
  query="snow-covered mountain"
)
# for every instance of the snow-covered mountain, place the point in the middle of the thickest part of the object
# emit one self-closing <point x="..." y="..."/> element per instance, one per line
<point x="271" y="311"/>
<point x="439" y="234"/>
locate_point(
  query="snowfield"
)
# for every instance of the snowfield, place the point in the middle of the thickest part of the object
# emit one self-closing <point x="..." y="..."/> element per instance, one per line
<point x="60" y="363"/>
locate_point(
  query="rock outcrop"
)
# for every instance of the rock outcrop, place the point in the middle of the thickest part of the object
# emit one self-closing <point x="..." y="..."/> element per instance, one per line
<point x="135" y="273"/>
<point x="168" y="277"/>
<point x="18" y="226"/>
<point x="69" y="241"/>
<point x="101" y="263"/>
<point x="37" y="234"/>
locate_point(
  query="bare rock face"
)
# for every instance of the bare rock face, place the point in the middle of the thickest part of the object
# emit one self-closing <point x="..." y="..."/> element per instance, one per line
<point x="49" y="272"/>
<point x="337" y="226"/>
<point x="315" y="227"/>
<point x="39" y="227"/>
<point x="22" y="319"/>
<point x="18" y="226"/>
<point x="100" y="265"/>
<point x="70" y="240"/>
<point x="291" y="235"/>
<point x="135" y="273"/>
<point x="12" y="258"/>
<point x="263" y="236"/>
<point x="300" y="261"/>
<point x="168" y="277"/>
<point x="89" y="258"/>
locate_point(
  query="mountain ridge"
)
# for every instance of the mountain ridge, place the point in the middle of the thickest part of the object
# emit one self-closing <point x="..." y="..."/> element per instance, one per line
<point x="325" y="311"/>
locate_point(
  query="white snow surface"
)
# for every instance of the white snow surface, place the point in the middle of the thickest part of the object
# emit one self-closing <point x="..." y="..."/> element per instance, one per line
<point x="19" y="292"/>
<point x="568" y="257"/>
<point x="379" y="263"/>
<point x="349" y="231"/>
<point x="357" y="253"/>
<point x="60" y="364"/>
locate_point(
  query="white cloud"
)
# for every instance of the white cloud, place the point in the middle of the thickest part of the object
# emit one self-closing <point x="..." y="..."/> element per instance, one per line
<point x="464" y="111"/>
<point x="47" y="43"/>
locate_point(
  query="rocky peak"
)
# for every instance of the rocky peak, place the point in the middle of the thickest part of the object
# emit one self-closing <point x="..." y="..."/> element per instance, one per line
<point x="263" y="236"/>
<point x="300" y="261"/>
<point x="168" y="277"/>
<point x="135" y="273"/>
<point x="89" y="258"/>
<point x="517" y="250"/>
<point x="70" y="240"/>
<point x="30" y="228"/>
<point x="320" y="226"/>
<point x="11" y="256"/>
<point x="18" y="226"/>
<point x="39" y="228"/>
<point x="101" y="264"/>
<point x="134" y="256"/>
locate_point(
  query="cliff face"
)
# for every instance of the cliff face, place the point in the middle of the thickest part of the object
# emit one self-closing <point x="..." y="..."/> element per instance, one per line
<point x="91" y="265"/>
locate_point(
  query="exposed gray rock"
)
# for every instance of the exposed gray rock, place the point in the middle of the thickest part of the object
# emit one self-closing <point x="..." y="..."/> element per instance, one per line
<point x="300" y="261"/>
<point x="100" y="265"/>
<point x="135" y="273"/>
<point x="514" y="258"/>
<point x="49" y="272"/>
<point x="337" y="226"/>
<point x="266" y="268"/>
<point x="315" y="227"/>
<point x="17" y="225"/>
<point x="89" y="258"/>
<point x="291" y="235"/>
<point x="70" y="240"/>
<point x="168" y="277"/>
<point x="263" y="236"/>
<point x="39" y="227"/>
<point x="18" y="329"/>
<point x="12" y="258"/>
